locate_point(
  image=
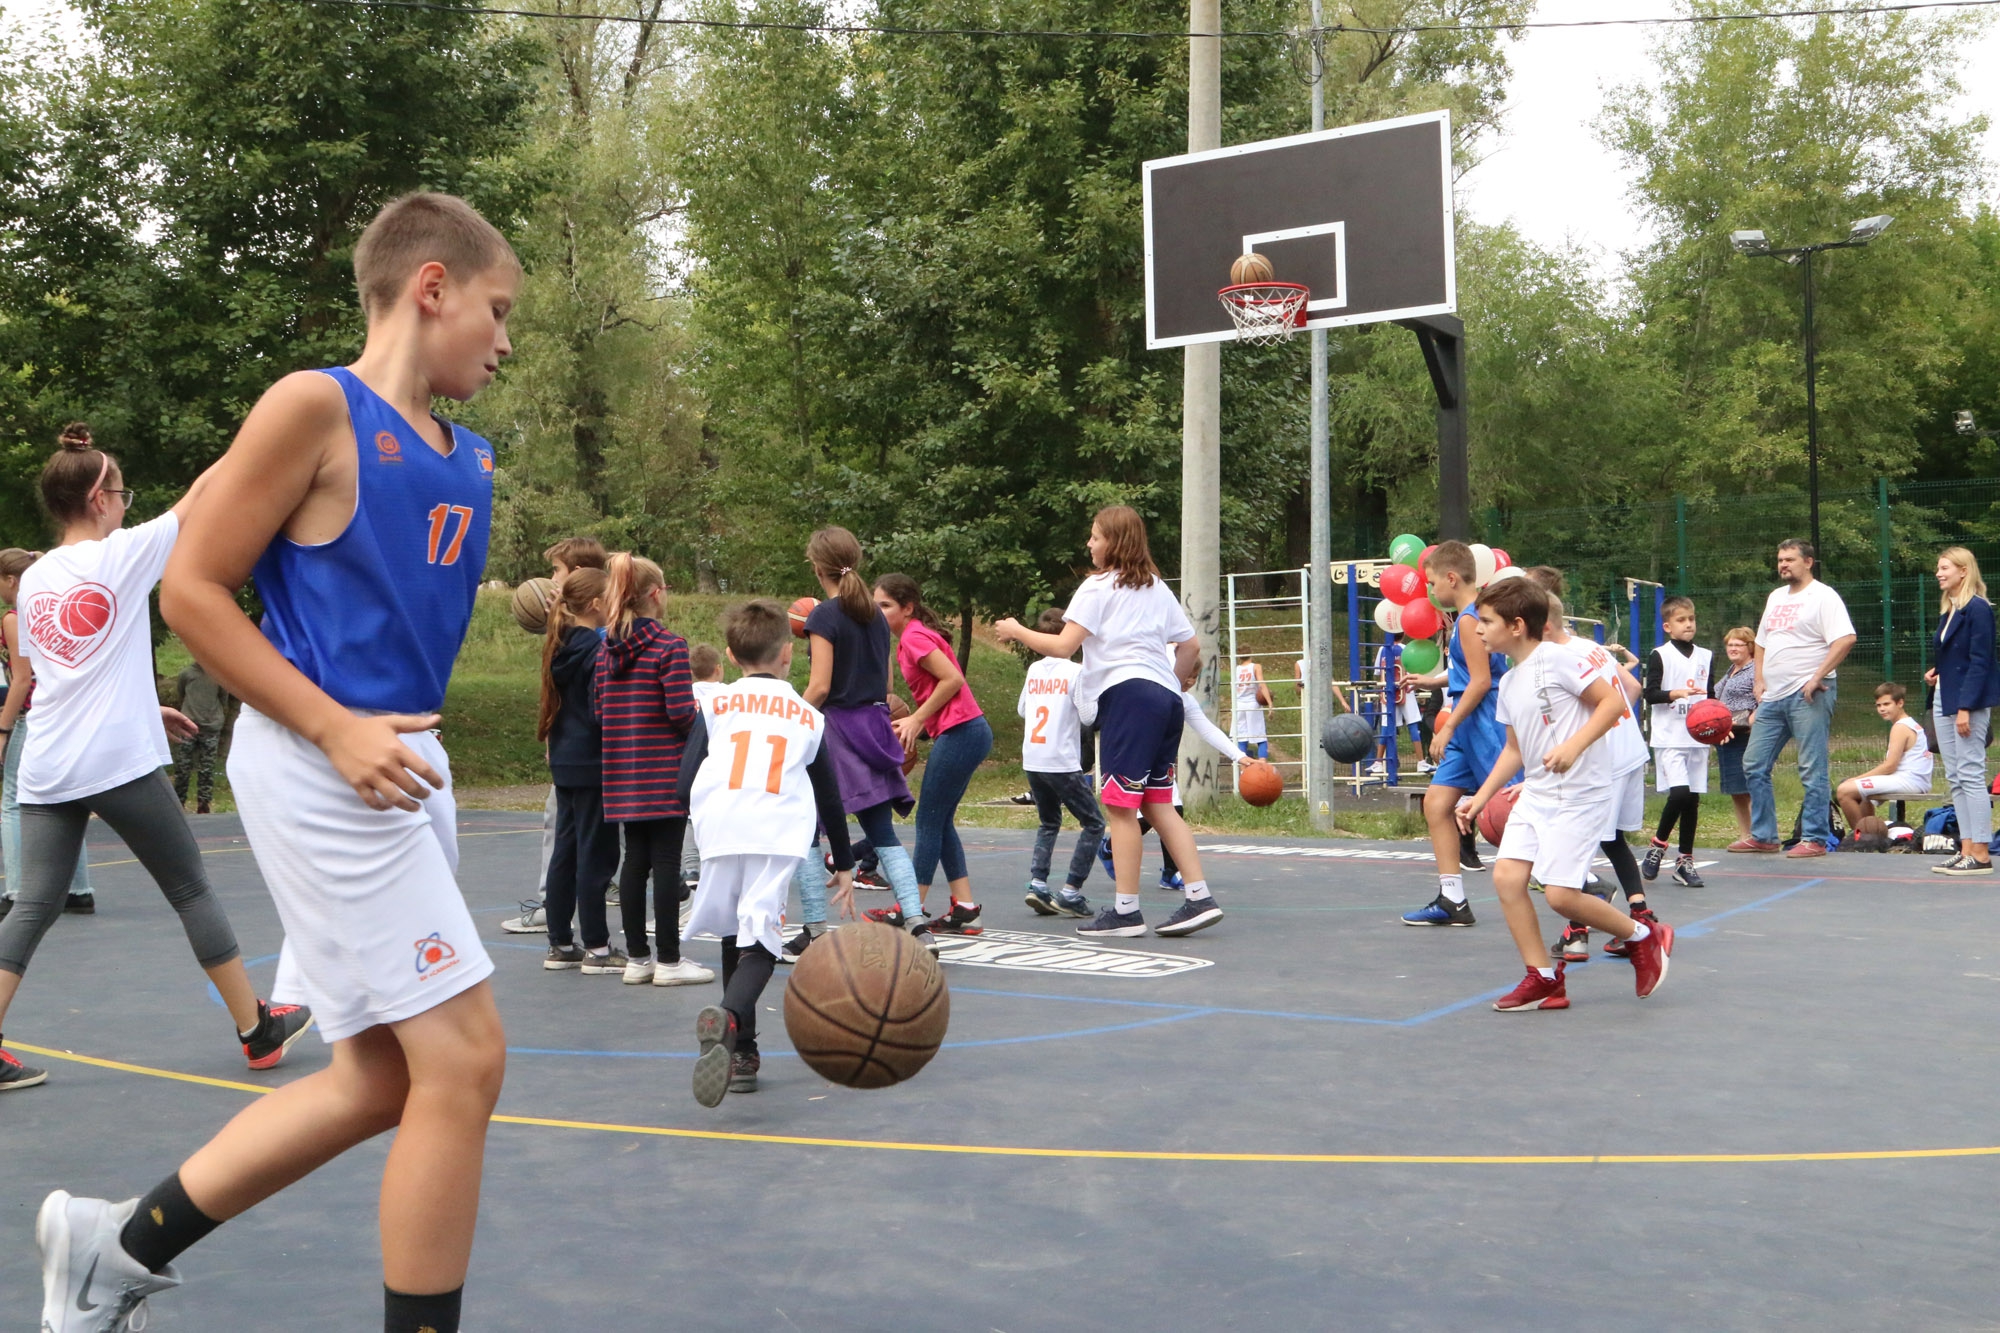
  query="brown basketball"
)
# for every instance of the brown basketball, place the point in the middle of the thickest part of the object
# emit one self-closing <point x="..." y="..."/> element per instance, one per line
<point x="802" y="608"/>
<point x="531" y="604"/>
<point x="1871" y="834"/>
<point x="1251" y="267"/>
<point x="867" y="1005"/>
<point x="898" y="710"/>
<point x="1260" y="784"/>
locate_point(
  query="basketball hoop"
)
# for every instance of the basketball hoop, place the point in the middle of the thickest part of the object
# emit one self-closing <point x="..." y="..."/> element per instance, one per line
<point x="1265" y="312"/>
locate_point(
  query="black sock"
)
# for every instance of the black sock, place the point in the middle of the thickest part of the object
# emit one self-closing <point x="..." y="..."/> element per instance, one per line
<point x="165" y="1224"/>
<point x="754" y="966"/>
<point x="403" y="1313"/>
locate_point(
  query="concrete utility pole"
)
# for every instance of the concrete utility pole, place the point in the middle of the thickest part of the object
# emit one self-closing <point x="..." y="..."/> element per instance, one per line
<point x="1201" y="426"/>
<point x="1319" y="583"/>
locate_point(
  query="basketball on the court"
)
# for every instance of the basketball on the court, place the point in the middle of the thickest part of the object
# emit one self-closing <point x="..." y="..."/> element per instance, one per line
<point x="1347" y="739"/>
<point x="531" y="604"/>
<point x="1260" y="783"/>
<point x="84" y="612"/>
<point x="1708" y="722"/>
<point x="1493" y="819"/>
<point x="867" y="1005"/>
<point x="802" y="608"/>
<point x="1871" y="834"/>
<point x="1251" y="267"/>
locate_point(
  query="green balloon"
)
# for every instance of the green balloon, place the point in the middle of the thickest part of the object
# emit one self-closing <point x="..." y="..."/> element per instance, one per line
<point x="1420" y="658"/>
<point x="1407" y="549"/>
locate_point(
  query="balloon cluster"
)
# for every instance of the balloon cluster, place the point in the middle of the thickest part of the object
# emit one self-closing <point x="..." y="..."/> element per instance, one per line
<point x="1407" y="608"/>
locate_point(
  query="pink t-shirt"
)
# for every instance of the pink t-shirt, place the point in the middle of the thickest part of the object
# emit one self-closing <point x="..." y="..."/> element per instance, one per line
<point x="917" y="642"/>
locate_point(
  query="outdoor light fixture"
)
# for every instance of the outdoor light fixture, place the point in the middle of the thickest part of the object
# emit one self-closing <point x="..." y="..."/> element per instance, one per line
<point x="1754" y="244"/>
<point x="1965" y="424"/>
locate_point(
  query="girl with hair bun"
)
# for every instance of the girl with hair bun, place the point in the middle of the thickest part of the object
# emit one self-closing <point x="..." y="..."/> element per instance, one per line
<point x="99" y="743"/>
<point x="849" y="643"/>
<point x="20" y="676"/>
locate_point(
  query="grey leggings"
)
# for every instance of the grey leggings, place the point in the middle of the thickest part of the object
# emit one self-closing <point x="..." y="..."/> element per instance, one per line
<point x="142" y="812"/>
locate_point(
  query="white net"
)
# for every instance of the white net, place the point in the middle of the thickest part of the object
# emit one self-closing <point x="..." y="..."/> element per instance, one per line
<point x="1265" y="312"/>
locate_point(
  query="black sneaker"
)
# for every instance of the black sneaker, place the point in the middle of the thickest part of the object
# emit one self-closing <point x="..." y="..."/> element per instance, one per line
<point x="1113" y="923"/>
<point x="279" y="1026"/>
<point x="795" y="947"/>
<point x="604" y="964"/>
<point x="1468" y="854"/>
<point x="715" y="1029"/>
<point x="562" y="957"/>
<point x="961" y="919"/>
<point x="1574" y="946"/>
<point x="14" y="1074"/>
<point x="743" y="1067"/>
<point x="892" y="915"/>
<point x="1686" y="875"/>
<point x="1071" y="903"/>
<point x="1649" y="865"/>
<point x="921" y="933"/>
<point x="1440" y="911"/>
<point x="1025" y="798"/>
<point x="1040" y="899"/>
<point x="1192" y="915"/>
<point x="80" y="904"/>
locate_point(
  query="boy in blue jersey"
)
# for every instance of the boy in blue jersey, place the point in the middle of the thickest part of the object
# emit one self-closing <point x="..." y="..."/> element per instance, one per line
<point x="365" y="519"/>
<point x="1467" y="740"/>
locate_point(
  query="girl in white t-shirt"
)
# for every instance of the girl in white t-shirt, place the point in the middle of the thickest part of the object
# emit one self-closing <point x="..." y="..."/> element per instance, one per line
<point x="1904" y="771"/>
<point x="100" y="740"/>
<point x="1137" y="645"/>
<point x="14" y="725"/>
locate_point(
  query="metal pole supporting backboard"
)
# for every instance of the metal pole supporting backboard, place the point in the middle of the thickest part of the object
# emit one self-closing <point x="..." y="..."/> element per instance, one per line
<point x="1319" y="664"/>
<point x="1201" y="421"/>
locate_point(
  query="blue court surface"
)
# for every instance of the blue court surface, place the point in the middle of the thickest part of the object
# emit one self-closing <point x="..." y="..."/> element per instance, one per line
<point x="1307" y="1116"/>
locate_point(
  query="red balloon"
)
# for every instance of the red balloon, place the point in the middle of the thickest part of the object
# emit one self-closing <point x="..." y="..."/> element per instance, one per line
<point x="1401" y="584"/>
<point x="1425" y="558"/>
<point x="1501" y="559"/>
<point x="1421" y="620"/>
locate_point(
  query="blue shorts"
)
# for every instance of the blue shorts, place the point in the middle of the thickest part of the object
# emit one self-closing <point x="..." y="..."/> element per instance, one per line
<point x="1472" y="751"/>
<point x="1138" y="742"/>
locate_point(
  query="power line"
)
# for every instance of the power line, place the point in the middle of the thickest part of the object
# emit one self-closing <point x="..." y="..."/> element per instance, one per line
<point x="880" y="30"/>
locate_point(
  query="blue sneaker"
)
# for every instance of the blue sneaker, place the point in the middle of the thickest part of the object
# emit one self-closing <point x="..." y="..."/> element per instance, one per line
<point x="1104" y="857"/>
<point x="1173" y="883"/>
<point x="1440" y="912"/>
<point x="1071" y="903"/>
<point x="1194" y="914"/>
<point x="1040" y="899"/>
<point x="1112" y="922"/>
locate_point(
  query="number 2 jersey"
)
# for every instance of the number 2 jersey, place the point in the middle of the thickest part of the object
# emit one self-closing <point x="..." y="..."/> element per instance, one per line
<point x="761" y="778"/>
<point x="376" y="616"/>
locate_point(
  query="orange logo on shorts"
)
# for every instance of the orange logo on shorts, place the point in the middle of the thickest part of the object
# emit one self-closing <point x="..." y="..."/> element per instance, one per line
<point x="434" y="956"/>
<point x="387" y="448"/>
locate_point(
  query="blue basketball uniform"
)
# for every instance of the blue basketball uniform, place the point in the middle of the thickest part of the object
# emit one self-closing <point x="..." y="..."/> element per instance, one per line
<point x="376" y="930"/>
<point x="1476" y="743"/>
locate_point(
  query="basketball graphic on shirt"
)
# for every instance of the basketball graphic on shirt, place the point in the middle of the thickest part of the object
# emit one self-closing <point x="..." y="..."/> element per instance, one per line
<point x="84" y="612"/>
<point x="69" y="626"/>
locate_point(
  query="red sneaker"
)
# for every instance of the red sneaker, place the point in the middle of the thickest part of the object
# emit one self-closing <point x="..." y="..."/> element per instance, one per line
<point x="1649" y="958"/>
<point x="1535" y="992"/>
<point x="1808" y="848"/>
<point x="1618" y="948"/>
<point x="888" y="916"/>
<point x="1753" y="845"/>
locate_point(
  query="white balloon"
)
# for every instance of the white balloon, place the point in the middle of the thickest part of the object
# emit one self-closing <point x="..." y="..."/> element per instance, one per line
<point x="1502" y="575"/>
<point x="1388" y="617"/>
<point x="1483" y="564"/>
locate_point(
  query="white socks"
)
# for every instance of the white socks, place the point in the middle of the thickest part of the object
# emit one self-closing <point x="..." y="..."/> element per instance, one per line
<point x="1452" y="888"/>
<point x="1197" y="890"/>
<point x="1640" y="930"/>
<point x="1126" y="902"/>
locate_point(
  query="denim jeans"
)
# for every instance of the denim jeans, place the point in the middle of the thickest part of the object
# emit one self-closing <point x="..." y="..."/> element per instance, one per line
<point x="1053" y="792"/>
<point x="1965" y="770"/>
<point x="1791" y="717"/>
<point x="955" y="756"/>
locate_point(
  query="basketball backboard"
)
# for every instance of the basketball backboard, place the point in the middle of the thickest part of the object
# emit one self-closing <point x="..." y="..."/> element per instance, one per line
<point x="1361" y="215"/>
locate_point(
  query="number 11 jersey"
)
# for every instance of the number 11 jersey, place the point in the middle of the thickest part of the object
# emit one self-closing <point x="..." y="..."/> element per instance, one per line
<point x="753" y="796"/>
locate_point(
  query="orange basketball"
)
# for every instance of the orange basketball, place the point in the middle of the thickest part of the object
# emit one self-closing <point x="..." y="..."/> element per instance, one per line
<point x="1250" y="267"/>
<point x="1493" y="819"/>
<point x="1260" y="784"/>
<point x="867" y="1005"/>
<point x="800" y="610"/>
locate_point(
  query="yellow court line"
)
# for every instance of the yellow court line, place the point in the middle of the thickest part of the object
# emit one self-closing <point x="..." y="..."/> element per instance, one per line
<point x="1110" y="1154"/>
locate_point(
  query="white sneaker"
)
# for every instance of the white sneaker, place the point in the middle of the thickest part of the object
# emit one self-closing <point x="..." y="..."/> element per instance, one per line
<point x="638" y="971"/>
<point x="89" y="1283"/>
<point x="1426" y="766"/>
<point x="687" y="972"/>
<point x="532" y="921"/>
<point x="1377" y="769"/>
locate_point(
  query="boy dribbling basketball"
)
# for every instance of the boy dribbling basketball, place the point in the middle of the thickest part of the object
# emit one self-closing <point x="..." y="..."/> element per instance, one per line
<point x="1556" y="704"/>
<point x="755" y="777"/>
<point x="365" y="518"/>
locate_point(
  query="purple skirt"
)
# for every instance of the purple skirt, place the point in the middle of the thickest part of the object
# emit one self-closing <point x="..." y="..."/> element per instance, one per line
<point x="867" y="758"/>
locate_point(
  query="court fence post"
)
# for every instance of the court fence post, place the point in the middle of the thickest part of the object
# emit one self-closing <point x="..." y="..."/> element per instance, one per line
<point x="1884" y="533"/>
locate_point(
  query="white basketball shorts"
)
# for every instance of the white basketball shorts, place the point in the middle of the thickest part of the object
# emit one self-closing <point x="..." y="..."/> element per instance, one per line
<point x="1892" y="786"/>
<point x="1680" y="766"/>
<point x="1558" y="843"/>
<point x="376" y="930"/>
<point x="743" y="896"/>
<point x="1627" y="809"/>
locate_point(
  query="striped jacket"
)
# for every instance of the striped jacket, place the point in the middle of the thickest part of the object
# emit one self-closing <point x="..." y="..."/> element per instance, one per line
<point x="644" y="695"/>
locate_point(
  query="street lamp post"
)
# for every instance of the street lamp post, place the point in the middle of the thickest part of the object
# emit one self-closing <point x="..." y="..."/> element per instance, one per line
<point x="1755" y="244"/>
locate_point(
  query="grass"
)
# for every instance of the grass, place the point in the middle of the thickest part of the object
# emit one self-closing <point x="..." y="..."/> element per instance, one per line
<point x="490" y="709"/>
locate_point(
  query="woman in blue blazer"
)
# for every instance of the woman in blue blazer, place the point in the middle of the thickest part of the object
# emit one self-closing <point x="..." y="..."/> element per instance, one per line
<point x="1966" y="681"/>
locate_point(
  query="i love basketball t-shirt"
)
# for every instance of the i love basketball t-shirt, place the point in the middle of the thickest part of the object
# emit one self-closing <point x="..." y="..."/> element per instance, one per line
<point x="85" y="627"/>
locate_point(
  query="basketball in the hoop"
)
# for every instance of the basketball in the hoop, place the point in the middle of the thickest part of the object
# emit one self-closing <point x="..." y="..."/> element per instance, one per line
<point x="1250" y="267"/>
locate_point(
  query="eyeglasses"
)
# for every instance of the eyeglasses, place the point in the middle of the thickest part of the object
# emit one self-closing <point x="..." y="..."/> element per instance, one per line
<point x="124" y="496"/>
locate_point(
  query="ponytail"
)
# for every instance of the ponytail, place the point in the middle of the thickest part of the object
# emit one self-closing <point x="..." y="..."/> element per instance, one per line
<point x="905" y="592"/>
<point x="580" y="588"/>
<point x="631" y="578"/>
<point x="836" y="558"/>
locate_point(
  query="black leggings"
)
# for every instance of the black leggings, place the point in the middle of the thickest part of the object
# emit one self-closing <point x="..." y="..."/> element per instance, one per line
<point x="745" y="973"/>
<point x="1682" y="805"/>
<point x="652" y="848"/>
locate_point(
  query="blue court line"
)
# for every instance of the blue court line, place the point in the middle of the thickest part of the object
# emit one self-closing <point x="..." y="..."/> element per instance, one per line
<point x="948" y="1046"/>
<point x="1707" y="923"/>
<point x="215" y="996"/>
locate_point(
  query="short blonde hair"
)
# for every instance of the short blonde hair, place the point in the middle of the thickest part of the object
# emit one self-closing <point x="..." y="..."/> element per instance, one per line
<point x="1972" y="586"/>
<point x="1743" y="632"/>
<point x="419" y="229"/>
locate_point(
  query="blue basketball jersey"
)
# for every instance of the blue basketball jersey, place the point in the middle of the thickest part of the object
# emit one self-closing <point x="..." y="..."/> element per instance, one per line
<point x="1458" y="675"/>
<point x="376" y="616"/>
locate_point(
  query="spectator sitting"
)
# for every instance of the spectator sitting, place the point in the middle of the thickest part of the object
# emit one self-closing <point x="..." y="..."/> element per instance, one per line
<point x="1904" y="771"/>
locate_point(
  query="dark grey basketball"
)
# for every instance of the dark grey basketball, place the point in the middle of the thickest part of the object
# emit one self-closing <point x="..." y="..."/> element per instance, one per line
<point x="1347" y="739"/>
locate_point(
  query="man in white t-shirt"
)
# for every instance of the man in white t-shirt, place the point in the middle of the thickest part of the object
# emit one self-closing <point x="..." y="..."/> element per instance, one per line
<point x="1804" y="635"/>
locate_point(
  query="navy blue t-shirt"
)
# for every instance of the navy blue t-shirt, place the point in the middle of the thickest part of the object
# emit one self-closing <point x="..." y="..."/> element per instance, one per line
<point x="860" y="655"/>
